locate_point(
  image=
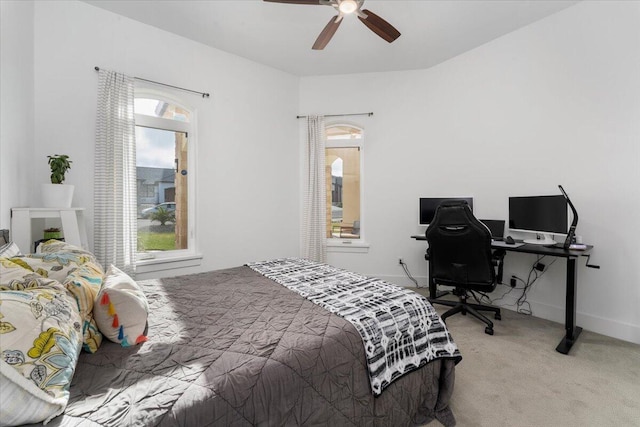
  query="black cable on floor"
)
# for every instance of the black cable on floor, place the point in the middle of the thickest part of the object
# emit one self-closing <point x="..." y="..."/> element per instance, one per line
<point x="408" y="273"/>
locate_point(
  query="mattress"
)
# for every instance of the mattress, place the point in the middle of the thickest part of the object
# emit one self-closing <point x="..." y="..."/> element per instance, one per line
<point x="234" y="348"/>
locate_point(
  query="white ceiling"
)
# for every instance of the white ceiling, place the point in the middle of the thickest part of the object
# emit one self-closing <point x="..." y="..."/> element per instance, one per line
<point x="281" y="35"/>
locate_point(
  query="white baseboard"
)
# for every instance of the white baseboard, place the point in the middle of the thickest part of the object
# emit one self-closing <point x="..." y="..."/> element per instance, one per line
<point x="601" y="325"/>
<point x="609" y="327"/>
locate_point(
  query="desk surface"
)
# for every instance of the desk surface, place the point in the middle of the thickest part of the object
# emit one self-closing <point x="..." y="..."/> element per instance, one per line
<point x="557" y="251"/>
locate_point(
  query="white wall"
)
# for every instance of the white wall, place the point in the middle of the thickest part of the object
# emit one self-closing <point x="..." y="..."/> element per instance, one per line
<point x="247" y="203"/>
<point x="557" y="102"/>
<point x="16" y="105"/>
<point x="491" y="123"/>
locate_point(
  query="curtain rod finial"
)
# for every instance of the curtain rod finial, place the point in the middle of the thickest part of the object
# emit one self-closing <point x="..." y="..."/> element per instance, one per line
<point x="96" y="68"/>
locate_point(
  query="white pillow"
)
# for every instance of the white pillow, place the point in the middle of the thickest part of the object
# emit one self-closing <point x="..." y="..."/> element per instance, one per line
<point x="121" y="309"/>
<point x="9" y="250"/>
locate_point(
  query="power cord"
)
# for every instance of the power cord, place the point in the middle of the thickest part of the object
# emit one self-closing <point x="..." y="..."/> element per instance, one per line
<point x="537" y="270"/>
<point x="484" y="298"/>
<point x="408" y="273"/>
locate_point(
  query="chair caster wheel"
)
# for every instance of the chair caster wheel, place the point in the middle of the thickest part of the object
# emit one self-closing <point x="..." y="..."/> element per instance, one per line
<point x="488" y="330"/>
<point x="498" y="316"/>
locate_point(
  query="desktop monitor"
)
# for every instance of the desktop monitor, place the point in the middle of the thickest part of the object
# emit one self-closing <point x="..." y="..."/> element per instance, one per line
<point x="428" y="206"/>
<point x="542" y="215"/>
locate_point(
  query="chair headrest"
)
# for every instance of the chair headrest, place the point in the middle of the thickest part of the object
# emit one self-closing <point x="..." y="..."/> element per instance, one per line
<point x="454" y="202"/>
<point x="453" y="212"/>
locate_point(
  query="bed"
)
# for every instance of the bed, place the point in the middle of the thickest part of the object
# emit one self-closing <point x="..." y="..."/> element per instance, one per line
<point x="236" y="348"/>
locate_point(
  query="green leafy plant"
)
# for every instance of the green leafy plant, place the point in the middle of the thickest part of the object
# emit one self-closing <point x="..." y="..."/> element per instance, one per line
<point x="52" y="233"/>
<point x="59" y="165"/>
<point x="163" y="216"/>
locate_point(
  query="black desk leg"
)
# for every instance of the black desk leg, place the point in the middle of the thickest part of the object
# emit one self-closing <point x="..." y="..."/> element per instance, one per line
<point x="572" y="331"/>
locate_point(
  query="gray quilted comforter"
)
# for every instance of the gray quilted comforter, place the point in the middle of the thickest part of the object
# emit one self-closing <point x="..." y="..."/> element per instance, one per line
<point x="233" y="348"/>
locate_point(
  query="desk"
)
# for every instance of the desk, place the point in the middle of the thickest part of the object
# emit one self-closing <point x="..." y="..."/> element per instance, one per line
<point x="572" y="332"/>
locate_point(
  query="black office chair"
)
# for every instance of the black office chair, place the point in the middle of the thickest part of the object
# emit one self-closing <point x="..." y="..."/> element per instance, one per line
<point x="460" y="255"/>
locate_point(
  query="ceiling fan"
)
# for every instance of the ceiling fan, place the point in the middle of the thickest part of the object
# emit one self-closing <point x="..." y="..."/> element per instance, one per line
<point x="347" y="7"/>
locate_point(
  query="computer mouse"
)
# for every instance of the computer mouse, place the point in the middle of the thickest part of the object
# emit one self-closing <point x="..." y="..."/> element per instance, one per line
<point x="509" y="240"/>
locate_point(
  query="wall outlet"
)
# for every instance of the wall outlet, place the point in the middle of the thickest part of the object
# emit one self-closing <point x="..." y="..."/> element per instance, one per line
<point x="400" y="261"/>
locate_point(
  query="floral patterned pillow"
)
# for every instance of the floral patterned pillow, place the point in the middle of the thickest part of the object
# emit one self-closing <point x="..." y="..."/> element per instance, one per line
<point x="55" y="266"/>
<point x="76" y="268"/>
<point x="84" y="283"/>
<point x="41" y="338"/>
<point x="56" y="246"/>
<point x="10" y="271"/>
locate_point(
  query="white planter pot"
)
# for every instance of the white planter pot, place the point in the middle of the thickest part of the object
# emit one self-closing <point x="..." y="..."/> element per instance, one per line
<point x="57" y="195"/>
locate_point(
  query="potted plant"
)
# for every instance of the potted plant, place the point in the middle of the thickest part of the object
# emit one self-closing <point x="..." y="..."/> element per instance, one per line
<point x="52" y="233"/>
<point x="57" y="194"/>
<point x="162" y="215"/>
<point x="59" y="164"/>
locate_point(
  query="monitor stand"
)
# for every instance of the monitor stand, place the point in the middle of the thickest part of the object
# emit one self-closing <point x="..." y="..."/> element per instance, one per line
<point x="546" y="240"/>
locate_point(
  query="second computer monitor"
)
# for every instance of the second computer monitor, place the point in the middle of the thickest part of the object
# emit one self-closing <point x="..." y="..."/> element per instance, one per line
<point x="428" y="206"/>
<point x="545" y="215"/>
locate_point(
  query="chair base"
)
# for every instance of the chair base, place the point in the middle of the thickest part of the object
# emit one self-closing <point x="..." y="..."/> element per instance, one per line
<point x="462" y="306"/>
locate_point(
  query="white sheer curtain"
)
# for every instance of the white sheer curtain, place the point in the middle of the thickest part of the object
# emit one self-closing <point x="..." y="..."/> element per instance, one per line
<point x="314" y="219"/>
<point x="115" y="228"/>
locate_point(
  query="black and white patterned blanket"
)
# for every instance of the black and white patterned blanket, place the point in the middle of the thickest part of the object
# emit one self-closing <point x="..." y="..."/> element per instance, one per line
<point x="400" y="329"/>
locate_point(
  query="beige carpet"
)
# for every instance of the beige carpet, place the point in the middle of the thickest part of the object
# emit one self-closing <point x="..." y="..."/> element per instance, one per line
<point x="516" y="378"/>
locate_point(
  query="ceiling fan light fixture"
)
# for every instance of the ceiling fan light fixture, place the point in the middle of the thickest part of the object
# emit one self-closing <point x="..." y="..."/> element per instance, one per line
<point x="372" y="21"/>
<point x="348" y="6"/>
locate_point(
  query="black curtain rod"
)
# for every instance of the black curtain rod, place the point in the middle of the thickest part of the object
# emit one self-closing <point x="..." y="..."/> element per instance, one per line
<point x="339" y="115"/>
<point x="204" y="94"/>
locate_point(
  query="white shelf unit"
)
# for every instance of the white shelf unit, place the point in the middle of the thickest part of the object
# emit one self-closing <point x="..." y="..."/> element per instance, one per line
<point x="74" y="229"/>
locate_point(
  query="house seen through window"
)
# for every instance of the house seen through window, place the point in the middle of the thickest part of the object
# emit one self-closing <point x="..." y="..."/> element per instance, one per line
<point x="343" y="168"/>
<point x="162" y="173"/>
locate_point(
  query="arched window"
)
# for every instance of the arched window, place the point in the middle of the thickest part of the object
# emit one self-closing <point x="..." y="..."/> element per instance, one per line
<point x="344" y="165"/>
<point x="164" y="174"/>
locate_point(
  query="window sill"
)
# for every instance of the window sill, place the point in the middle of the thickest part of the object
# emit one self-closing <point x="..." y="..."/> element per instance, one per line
<point x="351" y="246"/>
<point x="159" y="264"/>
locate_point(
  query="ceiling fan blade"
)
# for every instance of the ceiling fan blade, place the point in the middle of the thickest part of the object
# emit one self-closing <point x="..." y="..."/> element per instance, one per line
<point x="379" y="26"/>
<point x="326" y="34"/>
<point x="295" y="1"/>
